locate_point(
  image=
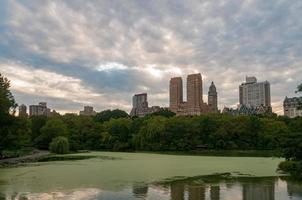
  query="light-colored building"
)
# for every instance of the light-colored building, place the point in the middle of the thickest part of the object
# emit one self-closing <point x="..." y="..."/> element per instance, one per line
<point x="194" y="104"/>
<point x="255" y="94"/>
<point x="212" y="98"/>
<point x="176" y="93"/>
<point x="291" y="107"/>
<point x="22" y="110"/>
<point x="88" y="111"/>
<point x="39" y="110"/>
<point x="140" y="106"/>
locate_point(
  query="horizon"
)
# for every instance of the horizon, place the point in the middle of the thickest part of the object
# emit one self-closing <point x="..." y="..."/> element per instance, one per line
<point x="101" y="53"/>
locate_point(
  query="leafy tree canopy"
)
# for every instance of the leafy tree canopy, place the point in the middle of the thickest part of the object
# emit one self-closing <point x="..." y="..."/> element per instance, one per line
<point x="7" y="101"/>
<point x="106" y="115"/>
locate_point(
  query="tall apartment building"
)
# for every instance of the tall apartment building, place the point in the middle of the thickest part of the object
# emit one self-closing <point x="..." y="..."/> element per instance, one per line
<point x="22" y="110"/>
<point x="140" y="106"/>
<point x="212" y="98"/>
<point x="140" y="101"/>
<point x="176" y="93"/>
<point x="39" y="110"/>
<point x="194" y="94"/>
<point x="254" y="94"/>
<point x="291" y="107"/>
<point x="88" y="111"/>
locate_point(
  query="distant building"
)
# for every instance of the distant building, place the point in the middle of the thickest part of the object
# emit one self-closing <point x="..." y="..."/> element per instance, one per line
<point x="140" y="106"/>
<point x="176" y="93"/>
<point x="212" y="98"/>
<point x="248" y="110"/>
<point x="22" y="110"/>
<point x="291" y="105"/>
<point x="41" y="110"/>
<point x="255" y="94"/>
<point x="88" y="111"/>
<point x="38" y="110"/>
<point x="194" y="104"/>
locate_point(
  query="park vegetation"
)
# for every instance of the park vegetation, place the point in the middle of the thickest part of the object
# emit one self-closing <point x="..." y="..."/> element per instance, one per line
<point x="115" y="130"/>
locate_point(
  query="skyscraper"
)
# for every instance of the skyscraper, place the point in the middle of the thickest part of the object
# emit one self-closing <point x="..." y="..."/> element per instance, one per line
<point x="194" y="94"/>
<point x="254" y="94"/>
<point x="212" y="98"/>
<point x="176" y="93"/>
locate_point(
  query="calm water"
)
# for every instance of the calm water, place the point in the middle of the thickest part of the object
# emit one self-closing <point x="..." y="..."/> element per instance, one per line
<point x="149" y="176"/>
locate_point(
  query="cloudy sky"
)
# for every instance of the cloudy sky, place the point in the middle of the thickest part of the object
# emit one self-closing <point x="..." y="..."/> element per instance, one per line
<point x="99" y="53"/>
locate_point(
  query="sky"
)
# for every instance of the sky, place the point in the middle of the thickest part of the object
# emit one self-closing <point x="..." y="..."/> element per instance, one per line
<point x="100" y="53"/>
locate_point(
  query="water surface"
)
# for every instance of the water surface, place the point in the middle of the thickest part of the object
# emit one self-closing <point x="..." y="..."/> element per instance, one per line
<point x="149" y="176"/>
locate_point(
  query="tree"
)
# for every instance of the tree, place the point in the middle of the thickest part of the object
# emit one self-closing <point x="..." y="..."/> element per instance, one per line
<point x="106" y="115"/>
<point x="164" y="112"/>
<point x="7" y="101"/>
<point x="59" y="145"/>
<point x="54" y="127"/>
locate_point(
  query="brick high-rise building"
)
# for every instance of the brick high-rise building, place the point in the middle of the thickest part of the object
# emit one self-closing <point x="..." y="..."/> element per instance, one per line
<point x="194" y="94"/>
<point x="194" y="104"/>
<point x="212" y="98"/>
<point x="176" y="93"/>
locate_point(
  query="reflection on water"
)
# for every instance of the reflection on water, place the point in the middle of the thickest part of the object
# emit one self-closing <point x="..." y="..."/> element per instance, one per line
<point x="202" y="188"/>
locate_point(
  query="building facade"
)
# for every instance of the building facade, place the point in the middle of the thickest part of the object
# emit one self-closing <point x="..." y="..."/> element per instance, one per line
<point x="291" y="107"/>
<point x="212" y="98"/>
<point x="194" y="104"/>
<point x="88" y="111"/>
<point x="248" y="110"/>
<point x="22" y="110"/>
<point x="254" y="94"/>
<point x="176" y="93"/>
<point x="38" y="110"/>
<point x="194" y="94"/>
<point x="140" y="106"/>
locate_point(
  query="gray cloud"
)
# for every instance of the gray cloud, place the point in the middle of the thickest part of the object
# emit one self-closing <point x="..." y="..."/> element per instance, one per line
<point x="153" y="41"/>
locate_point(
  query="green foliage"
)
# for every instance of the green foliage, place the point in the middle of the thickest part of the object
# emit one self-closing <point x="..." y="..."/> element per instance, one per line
<point x="294" y="168"/>
<point x="164" y="112"/>
<point x="14" y="132"/>
<point x="7" y="101"/>
<point x="54" y="127"/>
<point x="59" y="145"/>
<point x="106" y="115"/>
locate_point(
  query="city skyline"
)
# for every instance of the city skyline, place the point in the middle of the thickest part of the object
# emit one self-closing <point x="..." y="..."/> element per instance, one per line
<point x="101" y="53"/>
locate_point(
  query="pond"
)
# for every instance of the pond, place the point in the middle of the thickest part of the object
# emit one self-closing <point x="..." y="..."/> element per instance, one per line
<point x="109" y="175"/>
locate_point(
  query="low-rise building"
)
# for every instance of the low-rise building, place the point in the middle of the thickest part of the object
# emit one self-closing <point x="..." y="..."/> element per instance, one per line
<point x="248" y="110"/>
<point x="292" y="107"/>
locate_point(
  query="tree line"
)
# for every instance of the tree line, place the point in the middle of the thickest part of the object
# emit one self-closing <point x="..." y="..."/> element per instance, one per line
<point x="114" y="130"/>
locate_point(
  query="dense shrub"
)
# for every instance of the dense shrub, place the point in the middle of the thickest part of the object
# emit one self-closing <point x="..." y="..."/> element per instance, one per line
<point x="59" y="145"/>
<point x="294" y="168"/>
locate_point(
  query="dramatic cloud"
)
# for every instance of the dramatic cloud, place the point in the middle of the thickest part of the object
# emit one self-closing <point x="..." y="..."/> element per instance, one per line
<point x="73" y="53"/>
